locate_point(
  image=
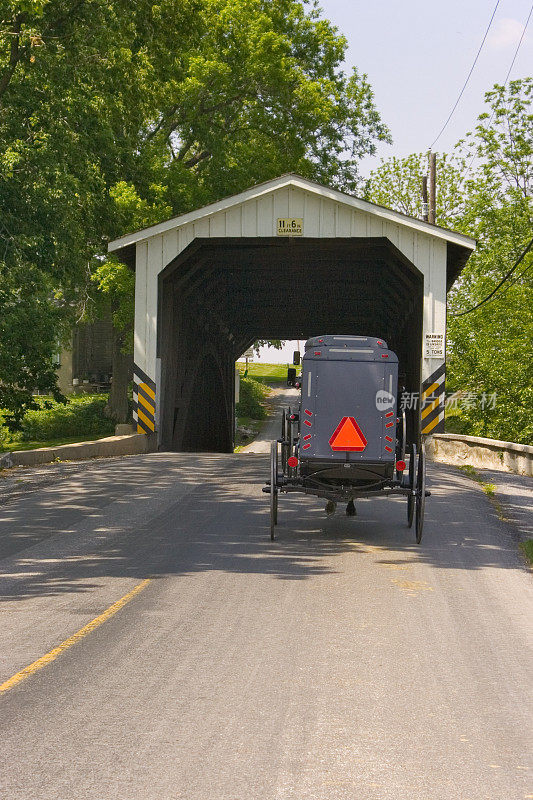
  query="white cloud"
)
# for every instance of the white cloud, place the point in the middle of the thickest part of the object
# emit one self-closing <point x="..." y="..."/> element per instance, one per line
<point x="506" y="33"/>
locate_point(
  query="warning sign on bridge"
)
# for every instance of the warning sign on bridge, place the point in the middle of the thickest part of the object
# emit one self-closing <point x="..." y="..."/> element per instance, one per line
<point x="434" y="345"/>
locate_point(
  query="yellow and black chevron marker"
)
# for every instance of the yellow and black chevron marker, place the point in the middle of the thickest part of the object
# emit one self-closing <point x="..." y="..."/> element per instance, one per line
<point x="143" y="401"/>
<point x="433" y="402"/>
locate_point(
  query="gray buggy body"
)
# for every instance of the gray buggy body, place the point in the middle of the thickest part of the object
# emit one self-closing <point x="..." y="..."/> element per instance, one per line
<point x="348" y="414"/>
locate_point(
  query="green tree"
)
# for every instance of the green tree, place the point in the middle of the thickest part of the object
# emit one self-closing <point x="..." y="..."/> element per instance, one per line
<point x="397" y="183"/>
<point x="117" y="114"/>
<point x="260" y="91"/>
<point x="27" y="359"/>
<point x="491" y="349"/>
<point x="484" y="190"/>
<point x="256" y="89"/>
<point x="71" y="78"/>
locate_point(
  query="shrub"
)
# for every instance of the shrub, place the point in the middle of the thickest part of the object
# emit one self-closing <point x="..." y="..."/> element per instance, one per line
<point x="5" y="435"/>
<point x="251" y="395"/>
<point x="82" y="415"/>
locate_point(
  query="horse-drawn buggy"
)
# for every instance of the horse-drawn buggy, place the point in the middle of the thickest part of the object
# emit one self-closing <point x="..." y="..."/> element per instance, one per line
<point x="347" y="438"/>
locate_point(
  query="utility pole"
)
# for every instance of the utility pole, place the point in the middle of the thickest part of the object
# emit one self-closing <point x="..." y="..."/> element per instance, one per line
<point x="432" y="187"/>
<point x="425" y="206"/>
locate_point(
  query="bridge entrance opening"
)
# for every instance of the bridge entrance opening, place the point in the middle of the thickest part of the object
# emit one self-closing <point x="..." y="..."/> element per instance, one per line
<point x="219" y="295"/>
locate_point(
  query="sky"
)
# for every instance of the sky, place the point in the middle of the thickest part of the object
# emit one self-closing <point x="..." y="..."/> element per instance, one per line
<point x="417" y="55"/>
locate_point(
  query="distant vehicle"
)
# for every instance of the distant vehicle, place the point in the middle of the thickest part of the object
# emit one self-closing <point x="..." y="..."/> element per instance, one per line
<point x="291" y="376"/>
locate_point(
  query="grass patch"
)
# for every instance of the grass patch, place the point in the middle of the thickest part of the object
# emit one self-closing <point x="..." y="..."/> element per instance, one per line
<point x="265" y="373"/>
<point x="488" y="488"/>
<point x="527" y="549"/>
<point x="469" y="470"/>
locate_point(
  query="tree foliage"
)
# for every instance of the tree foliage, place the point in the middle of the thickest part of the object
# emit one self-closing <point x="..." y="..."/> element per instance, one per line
<point x="485" y="191"/>
<point x="492" y="348"/>
<point x="119" y="114"/>
<point x="29" y="322"/>
<point x="397" y="183"/>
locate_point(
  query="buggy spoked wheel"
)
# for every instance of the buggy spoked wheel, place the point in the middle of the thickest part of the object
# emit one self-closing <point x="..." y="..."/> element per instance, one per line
<point x="284" y="447"/>
<point x="420" y="493"/>
<point x="412" y="485"/>
<point x="273" y="488"/>
<point x="401" y="443"/>
<point x="402" y="436"/>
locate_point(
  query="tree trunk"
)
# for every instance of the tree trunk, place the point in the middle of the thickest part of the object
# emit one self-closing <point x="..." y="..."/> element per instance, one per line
<point x="117" y="407"/>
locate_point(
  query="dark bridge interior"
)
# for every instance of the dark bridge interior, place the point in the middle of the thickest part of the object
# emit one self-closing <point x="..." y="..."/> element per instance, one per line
<point x="220" y="295"/>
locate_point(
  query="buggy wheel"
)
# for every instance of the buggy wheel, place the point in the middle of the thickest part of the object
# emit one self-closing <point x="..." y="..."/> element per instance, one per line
<point x="273" y="488"/>
<point x="412" y="485"/>
<point x="402" y="443"/>
<point x="288" y="439"/>
<point x="284" y="454"/>
<point x="420" y="493"/>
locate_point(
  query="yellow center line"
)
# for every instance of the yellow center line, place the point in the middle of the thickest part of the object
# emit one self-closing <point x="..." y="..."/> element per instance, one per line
<point x="76" y="637"/>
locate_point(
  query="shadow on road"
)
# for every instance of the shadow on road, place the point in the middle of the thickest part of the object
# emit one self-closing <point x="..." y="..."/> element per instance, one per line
<point x="82" y="532"/>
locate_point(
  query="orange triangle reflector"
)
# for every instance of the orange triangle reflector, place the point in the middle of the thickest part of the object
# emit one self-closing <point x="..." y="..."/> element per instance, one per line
<point x="348" y="436"/>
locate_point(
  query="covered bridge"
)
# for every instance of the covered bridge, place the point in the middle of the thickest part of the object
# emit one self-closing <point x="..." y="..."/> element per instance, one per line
<point x="287" y="259"/>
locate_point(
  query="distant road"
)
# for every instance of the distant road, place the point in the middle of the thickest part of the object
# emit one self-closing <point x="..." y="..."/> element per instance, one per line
<point x="341" y="662"/>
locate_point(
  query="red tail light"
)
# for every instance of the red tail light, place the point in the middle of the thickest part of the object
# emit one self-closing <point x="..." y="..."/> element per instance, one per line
<point x="400" y="465"/>
<point x="292" y="461"/>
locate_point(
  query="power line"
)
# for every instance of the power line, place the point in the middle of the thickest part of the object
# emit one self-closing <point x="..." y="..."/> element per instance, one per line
<point x="469" y="166"/>
<point x="505" y="277"/>
<point x="515" y="280"/>
<point x="518" y="45"/>
<point x="467" y="78"/>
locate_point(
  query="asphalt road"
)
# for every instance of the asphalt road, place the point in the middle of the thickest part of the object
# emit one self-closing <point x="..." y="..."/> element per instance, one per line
<point x="341" y="661"/>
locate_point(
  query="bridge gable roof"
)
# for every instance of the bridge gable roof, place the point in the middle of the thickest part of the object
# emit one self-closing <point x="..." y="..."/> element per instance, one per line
<point x="306" y="185"/>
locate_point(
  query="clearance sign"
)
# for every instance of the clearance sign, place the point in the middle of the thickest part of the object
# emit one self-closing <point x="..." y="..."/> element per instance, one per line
<point x="292" y="226"/>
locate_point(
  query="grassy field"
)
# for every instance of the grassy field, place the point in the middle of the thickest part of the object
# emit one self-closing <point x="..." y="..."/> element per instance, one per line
<point x="269" y="373"/>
